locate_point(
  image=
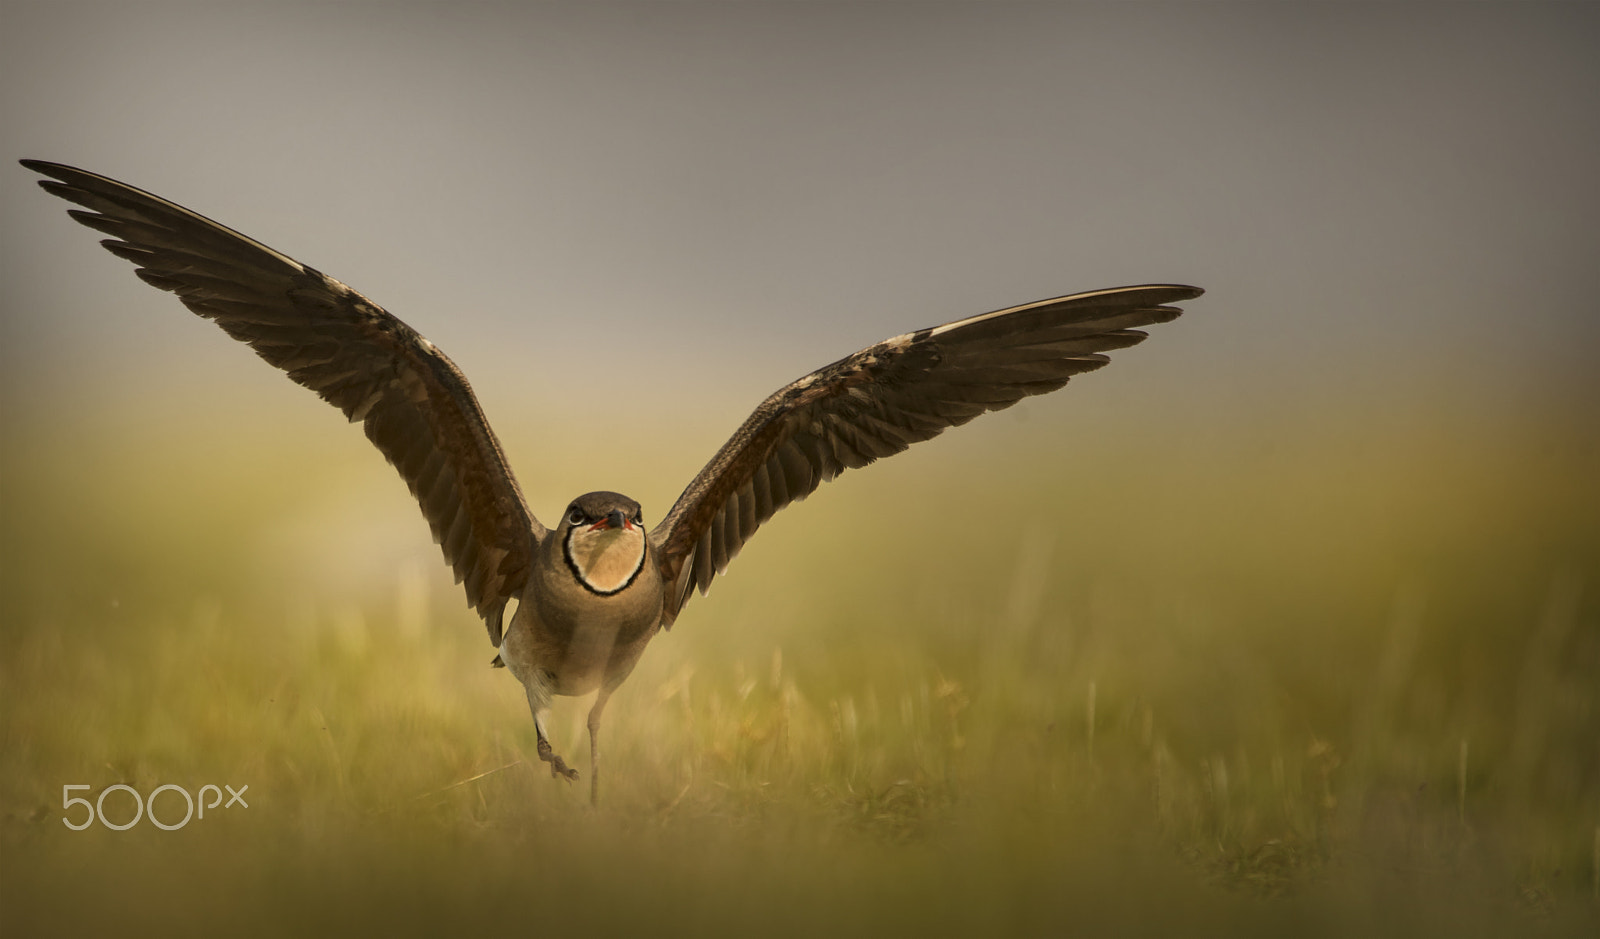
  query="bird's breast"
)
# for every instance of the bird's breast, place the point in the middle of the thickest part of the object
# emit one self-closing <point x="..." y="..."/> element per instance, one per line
<point x="578" y="635"/>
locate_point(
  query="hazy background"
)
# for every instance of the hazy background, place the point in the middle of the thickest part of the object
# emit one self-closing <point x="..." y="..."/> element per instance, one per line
<point x="1379" y="199"/>
<point x="1342" y="514"/>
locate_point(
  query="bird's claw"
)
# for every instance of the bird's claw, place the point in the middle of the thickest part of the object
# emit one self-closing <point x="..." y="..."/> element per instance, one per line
<point x="558" y="766"/>
<point x="560" y="770"/>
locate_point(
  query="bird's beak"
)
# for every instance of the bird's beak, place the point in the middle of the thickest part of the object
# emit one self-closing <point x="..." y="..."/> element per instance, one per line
<point x="614" y="520"/>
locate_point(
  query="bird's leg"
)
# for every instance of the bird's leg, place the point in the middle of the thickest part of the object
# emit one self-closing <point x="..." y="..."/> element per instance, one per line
<point x="558" y="766"/>
<point x="594" y="743"/>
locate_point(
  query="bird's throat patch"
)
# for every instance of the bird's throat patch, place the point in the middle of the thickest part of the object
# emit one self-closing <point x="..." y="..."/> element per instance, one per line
<point x="605" y="562"/>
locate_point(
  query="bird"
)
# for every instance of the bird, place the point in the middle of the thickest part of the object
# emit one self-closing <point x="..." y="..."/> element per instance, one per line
<point x="593" y="591"/>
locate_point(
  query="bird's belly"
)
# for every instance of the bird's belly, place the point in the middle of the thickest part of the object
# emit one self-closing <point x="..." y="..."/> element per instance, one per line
<point x="579" y="661"/>
<point x="580" y="646"/>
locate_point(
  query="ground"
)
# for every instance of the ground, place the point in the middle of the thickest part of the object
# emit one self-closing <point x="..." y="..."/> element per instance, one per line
<point x="1331" y="682"/>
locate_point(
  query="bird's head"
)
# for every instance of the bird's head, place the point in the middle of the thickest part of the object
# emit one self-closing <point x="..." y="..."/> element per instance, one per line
<point x="603" y="541"/>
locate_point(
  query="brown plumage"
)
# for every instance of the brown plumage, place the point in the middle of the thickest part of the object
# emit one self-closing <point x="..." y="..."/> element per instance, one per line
<point x="593" y="591"/>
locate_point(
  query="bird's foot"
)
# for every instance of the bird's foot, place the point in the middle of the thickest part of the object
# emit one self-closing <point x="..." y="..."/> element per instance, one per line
<point x="558" y="766"/>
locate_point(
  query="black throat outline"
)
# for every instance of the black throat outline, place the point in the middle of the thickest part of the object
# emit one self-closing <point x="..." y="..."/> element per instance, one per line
<point x="577" y="575"/>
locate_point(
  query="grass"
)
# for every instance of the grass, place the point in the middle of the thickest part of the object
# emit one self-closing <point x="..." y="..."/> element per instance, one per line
<point x="1282" y="681"/>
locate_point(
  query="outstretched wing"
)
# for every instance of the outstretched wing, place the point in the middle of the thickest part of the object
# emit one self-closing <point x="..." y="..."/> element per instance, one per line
<point x="415" y="404"/>
<point x="880" y="401"/>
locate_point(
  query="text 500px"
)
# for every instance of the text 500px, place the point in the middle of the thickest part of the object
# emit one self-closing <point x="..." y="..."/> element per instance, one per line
<point x="141" y="806"/>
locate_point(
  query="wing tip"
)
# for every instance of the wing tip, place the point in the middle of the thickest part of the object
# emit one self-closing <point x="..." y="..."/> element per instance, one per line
<point x="59" y="171"/>
<point x="1188" y="291"/>
<point x="1170" y="293"/>
<point x="1157" y="295"/>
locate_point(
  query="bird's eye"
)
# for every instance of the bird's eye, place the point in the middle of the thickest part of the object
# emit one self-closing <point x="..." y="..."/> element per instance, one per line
<point x="638" y="517"/>
<point x="575" y="517"/>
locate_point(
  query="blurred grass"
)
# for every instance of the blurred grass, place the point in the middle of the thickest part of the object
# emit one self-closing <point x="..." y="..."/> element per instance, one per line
<point x="1337" y="677"/>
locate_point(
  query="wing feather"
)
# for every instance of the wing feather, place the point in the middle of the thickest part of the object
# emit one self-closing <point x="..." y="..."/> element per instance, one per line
<point x="412" y="401"/>
<point x="880" y="401"/>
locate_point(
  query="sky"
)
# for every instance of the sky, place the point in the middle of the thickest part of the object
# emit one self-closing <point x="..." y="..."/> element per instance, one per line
<point x="1382" y="201"/>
